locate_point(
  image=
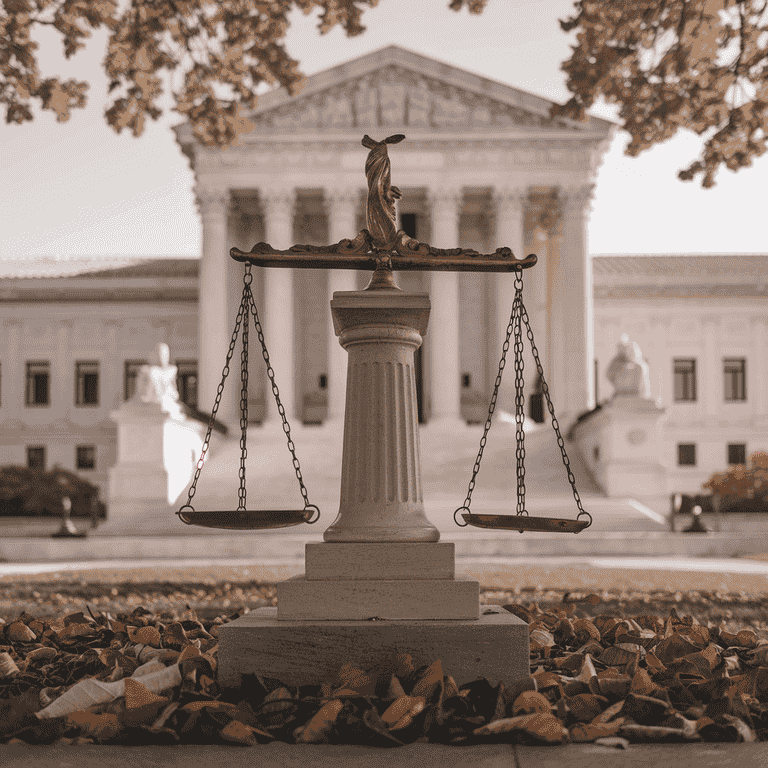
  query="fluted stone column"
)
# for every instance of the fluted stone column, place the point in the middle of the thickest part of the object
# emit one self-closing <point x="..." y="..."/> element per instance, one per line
<point x="444" y="352"/>
<point x="576" y="319"/>
<point x="278" y="305"/>
<point x="381" y="496"/>
<point x="710" y="379"/>
<point x="510" y="213"/>
<point x="757" y="371"/>
<point x="342" y="216"/>
<point x="214" y="333"/>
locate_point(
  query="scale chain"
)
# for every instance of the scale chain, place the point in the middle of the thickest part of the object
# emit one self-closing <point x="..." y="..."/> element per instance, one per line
<point x="244" y="405"/>
<point x="276" y="393"/>
<point x="517" y="318"/>
<point x="517" y="312"/>
<point x="219" y="392"/>
<point x="555" y="423"/>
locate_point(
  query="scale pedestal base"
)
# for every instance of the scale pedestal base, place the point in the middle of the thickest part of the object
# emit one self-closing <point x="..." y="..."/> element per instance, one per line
<point x="495" y="646"/>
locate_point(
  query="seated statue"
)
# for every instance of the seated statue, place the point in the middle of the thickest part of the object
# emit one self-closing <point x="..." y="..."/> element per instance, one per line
<point x="628" y="372"/>
<point x="156" y="383"/>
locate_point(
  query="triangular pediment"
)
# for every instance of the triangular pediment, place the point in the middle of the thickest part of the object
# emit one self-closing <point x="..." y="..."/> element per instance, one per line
<point x="394" y="88"/>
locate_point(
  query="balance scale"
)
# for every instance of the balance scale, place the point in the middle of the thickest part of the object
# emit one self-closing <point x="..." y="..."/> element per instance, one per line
<point x="381" y="582"/>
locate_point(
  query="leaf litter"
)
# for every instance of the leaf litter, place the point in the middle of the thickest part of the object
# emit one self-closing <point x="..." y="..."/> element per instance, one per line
<point x="138" y="666"/>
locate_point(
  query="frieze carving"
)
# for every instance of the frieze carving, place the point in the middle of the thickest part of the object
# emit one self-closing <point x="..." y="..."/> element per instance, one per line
<point x="392" y="97"/>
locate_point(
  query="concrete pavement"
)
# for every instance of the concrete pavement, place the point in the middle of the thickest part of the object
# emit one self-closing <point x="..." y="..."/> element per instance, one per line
<point x="753" y="755"/>
<point x="588" y="573"/>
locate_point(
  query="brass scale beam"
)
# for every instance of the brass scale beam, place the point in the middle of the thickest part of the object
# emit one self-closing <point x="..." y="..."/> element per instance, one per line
<point x="383" y="248"/>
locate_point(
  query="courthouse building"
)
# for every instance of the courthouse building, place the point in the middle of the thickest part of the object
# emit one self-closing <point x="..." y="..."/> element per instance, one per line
<point x="483" y="166"/>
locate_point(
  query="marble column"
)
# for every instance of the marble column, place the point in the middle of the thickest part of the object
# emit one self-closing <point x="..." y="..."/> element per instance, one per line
<point x="576" y="319"/>
<point x="757" y="371"/>
<point x="510" y="213"/>
<point x="342" y="222"/>
<point x="214" y="333"/>
<point x="278" y="317"/>
<point x="711" y="376"/>
<point x="443" y="343"/>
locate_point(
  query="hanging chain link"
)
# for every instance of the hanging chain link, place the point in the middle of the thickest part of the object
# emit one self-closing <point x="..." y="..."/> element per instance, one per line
<point x="217" y="402"/>
<point x="555" y="424"/>
<point x="517" y="314"/>
<point x="517" y="318"/>
<point x="248" y="305"/>
<point x="491" y="409"/>
<point x="244" y="396"/>
<point x="280" y="408"/>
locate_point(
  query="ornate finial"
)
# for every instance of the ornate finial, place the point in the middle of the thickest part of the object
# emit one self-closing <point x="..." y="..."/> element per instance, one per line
<point x="381" y="194"/>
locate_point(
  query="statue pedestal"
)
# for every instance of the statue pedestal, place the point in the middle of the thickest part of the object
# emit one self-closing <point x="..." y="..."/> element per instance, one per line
<point x="623" y="448"/>
<point x="156" y="456"/>
<point x="380" y="582"/>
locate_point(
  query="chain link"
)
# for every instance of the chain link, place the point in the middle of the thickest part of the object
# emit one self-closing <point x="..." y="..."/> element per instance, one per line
<point x="517" y="314"/>
<point x="517" y="318"/>
<point x="491" y="409"/>
<point x="280" y="408"/>
<point x="217" y="402"/>
<point x="244" y="405"/>
<point x="555" y="424"/>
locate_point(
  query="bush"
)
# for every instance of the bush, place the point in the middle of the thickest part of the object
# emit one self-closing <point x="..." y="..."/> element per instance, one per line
<point x="742" y="487"/>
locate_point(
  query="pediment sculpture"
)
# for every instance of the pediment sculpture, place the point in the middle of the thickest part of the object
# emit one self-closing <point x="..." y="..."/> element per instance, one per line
<point x="395" y="96"/>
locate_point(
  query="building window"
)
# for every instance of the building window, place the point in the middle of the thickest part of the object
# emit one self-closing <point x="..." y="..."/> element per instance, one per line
<point x="737" y="453"/>
<point x="186" y="382"/>
<point x="735" y="375"/>
<point x="85" y="457"/>
<point x="323" y="381"/>
<point x="466" y="380"/>
<point x="38" y="383"/>
<point x="36" y="457"/>
<point x="130" y="372"/>
<point x="686" y="454"/>
<point x="685" y="380"/>
<point x="87" y="383"/>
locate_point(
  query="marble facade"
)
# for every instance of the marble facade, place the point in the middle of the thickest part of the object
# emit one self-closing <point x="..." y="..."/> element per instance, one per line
<point x="483" y="166"/>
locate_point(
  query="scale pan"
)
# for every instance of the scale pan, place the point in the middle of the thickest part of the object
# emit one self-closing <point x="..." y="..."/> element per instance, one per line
<point x="525" y="523"/>
<point x="245" y="520"/>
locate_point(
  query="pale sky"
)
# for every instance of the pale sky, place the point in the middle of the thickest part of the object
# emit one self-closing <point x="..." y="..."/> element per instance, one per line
<point x="77" y="188"/>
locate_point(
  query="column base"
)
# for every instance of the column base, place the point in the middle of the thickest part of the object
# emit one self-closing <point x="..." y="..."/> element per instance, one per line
<point x="495" y="646"/>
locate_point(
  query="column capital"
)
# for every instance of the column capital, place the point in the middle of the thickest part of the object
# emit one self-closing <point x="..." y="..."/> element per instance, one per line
<point x="510" y="197"/>
<point x="211" y="201"/>
<point x="12" y="322"/>
<point x="445" y="200"/>
<point x="278" y="201"/>
<point x="341" y="201"/>
<point x="577" y="199"/>
<point x="757" y="320"/>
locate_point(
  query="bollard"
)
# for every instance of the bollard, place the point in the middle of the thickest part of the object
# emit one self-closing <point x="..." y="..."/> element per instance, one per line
<point x="67" y="529"/>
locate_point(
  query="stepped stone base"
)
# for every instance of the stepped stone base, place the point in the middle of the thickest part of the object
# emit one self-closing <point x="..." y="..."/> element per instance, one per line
<point x="300" y="598"/>
<point x="495" y="646"/>
<point x="400" y="560"/>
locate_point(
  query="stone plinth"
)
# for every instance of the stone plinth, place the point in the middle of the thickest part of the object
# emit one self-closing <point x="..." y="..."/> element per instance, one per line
<point x="381" y="498"/>
<point x="404" y="560"/>
<point x="622" y="445"/>
<point x="380" y="583"/>
<point x="304" y="599"/>
<point x="494" y="646"/>
<point x="156" y="455"/>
